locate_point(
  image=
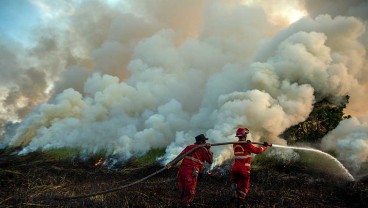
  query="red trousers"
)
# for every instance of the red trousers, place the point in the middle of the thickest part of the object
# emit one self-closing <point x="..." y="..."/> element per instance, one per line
<point x="187" y="184"/>
<point x="241" y="177"/>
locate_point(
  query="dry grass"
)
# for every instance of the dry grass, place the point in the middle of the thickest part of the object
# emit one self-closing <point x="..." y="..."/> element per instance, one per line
<point x="36" y="180"/>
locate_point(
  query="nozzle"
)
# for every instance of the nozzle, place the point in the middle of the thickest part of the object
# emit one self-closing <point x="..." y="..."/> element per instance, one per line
<point x="268" y="144"/>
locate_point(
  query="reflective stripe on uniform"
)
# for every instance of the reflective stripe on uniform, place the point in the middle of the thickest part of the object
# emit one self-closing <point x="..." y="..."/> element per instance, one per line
<point x="247" y="164"/>
<point x="242" y="157"/>
<point x="239" y="147"/>
<point x="194" y="159"/>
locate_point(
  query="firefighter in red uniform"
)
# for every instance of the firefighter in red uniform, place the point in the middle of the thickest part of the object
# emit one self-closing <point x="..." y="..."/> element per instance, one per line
<point x="190" y="167"/>
<point x="240" y="172"/>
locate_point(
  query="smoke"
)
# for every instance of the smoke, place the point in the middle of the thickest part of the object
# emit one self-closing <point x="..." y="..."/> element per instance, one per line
<point x="126" y="77"/>
<point x="337" y="7"/>
<point x="350" y="142"/>
<point x="21" y="84"/>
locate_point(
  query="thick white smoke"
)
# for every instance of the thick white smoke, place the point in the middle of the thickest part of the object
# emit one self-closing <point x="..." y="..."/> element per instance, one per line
<point x="350" y="142"/>
<point x="138" y="75"/>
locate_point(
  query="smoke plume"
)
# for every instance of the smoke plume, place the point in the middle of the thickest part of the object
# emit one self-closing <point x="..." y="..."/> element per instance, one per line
<point x="130" y="76"/>
<point x="350" y="142"/>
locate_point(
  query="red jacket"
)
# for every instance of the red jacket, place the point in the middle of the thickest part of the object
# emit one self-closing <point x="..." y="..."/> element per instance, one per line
<point x="197" y="157"/>
<point x="242" y="154"/>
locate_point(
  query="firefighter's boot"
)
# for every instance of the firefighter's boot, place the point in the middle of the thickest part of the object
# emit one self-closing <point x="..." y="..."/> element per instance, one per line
<point x="234" y="190"/>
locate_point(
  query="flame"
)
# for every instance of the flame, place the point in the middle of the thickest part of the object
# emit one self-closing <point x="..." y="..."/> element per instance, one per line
<point x="109" y="163"/>
<point x="100" y="162"/>
<point x="218" y="171"/>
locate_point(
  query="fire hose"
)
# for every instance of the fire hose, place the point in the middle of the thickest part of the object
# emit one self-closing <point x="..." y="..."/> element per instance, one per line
<point x="173" y="162"/>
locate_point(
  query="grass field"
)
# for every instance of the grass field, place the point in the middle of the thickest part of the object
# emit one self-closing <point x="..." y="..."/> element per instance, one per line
<point x="38" y="179"/>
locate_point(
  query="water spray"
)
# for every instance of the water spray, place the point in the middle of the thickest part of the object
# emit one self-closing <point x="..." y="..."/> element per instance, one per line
<point x="346" y="172"/>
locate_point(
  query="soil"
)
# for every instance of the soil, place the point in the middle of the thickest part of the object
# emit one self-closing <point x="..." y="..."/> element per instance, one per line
<point x="37" y="181"/>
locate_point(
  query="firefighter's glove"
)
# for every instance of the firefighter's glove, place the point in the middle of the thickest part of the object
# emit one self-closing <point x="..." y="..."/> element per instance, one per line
<point x="265" y="144"/>
<point x="208" y="145"/>
<point x="169" y="165"/>
<point x="195" y="172"/>
<point x="248" y="141"/>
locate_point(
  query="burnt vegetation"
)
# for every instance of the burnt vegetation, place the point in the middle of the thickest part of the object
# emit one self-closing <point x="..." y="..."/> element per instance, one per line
<point x="36" y="180"/>
<point x="47" y="179"/>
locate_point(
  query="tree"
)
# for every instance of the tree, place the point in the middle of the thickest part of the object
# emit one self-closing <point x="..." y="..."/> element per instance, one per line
<point x="324" y="117"/>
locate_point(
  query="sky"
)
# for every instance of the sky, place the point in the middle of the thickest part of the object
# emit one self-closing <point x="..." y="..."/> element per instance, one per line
<point x="17" y="18"/>
<point x="125" y="77"/>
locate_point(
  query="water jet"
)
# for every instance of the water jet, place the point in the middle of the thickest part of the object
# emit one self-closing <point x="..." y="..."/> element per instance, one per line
<point x="340" y="165"/>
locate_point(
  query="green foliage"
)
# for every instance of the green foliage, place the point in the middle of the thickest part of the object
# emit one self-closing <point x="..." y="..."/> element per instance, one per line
<point x="67" y="153"/>
<point x="61" y="153"/>
<point x="148" y="158"/>
<point x="324" y="117"/>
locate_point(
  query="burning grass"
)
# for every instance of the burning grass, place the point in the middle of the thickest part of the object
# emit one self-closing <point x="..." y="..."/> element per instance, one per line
<point x="35" y="180"/>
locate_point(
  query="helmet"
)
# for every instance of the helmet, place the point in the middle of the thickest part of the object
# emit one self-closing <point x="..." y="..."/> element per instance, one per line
<point x="241" y="132"/>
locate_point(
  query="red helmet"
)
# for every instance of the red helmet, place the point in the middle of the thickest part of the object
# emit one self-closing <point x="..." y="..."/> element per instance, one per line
<point x="242" y="132"/>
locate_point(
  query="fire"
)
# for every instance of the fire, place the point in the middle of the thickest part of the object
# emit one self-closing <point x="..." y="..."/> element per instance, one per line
<point x="109" y="163"/>
<point x="100" y="162"/>
<point x="218" y="171"/>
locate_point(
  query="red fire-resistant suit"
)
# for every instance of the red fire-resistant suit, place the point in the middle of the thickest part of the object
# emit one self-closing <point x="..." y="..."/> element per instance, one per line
<point x="189" y="169"/>
<point x="240" y="172"/>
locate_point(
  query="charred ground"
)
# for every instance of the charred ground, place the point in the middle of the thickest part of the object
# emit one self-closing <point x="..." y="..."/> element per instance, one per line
<point x="35" y="180"/>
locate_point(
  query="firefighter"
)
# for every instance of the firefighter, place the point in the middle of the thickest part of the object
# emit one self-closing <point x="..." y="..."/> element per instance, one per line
<point x="190" y="167"/>
<point x="240" y="171"/>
